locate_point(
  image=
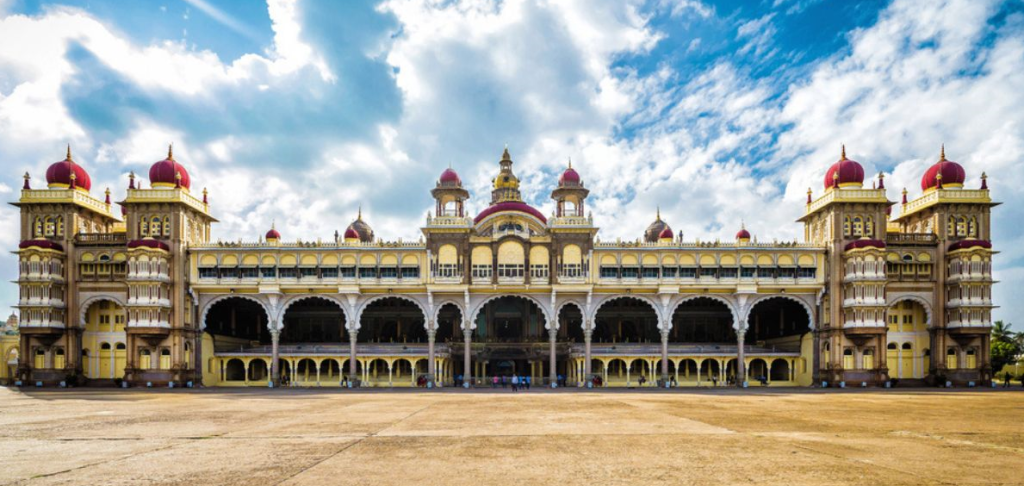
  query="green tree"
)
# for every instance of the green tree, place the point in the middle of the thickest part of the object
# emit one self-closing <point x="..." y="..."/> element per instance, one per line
<point x="1006" y="345"/>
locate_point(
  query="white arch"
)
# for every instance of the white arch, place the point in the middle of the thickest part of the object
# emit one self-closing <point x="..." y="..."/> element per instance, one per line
<point x="362" y="307"/>
<point x="805" y="305"/>
<point x="219" y="298"/>
<point x="897" y="298"/>
<point x="298" y="298"/>
<point x="480" y="306"/>
<point x="83" y="308"/>
<point x="579" y="305"/>
<point x="456" y="303"/>
<point x="655" y="307"/>
<point x="728" y="305"/>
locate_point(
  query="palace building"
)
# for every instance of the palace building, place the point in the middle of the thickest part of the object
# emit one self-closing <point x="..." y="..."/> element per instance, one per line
<point x="143" y="294"/>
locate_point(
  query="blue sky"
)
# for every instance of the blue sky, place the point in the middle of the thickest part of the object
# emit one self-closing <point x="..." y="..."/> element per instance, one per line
<point x="717" y="112"/>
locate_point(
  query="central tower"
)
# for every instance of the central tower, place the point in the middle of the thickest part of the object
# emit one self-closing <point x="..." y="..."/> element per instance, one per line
<point x="506" y="185"/>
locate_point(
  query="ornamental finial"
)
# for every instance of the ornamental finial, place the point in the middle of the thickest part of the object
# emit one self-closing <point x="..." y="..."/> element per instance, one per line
<point x="658" y="216"/>
<point x="904" y="195"/>
<point x="205" y="200"/>
<point x="505" y="155"/>
<point x="68" y="158"/>
<point x="570" y="162"/>
<point x="27" y="177"/>
<point x="842" y="155"/>
<point x="942" y="153"/>
<point x="359" y="215"/>
<point x="809" y="195"/>
<point x="881" y="180"/>
<point x="107" y="193"/>
<point x="177" y="178"/>
<point x="984" y="180"/>
<point x="170" y="151"/>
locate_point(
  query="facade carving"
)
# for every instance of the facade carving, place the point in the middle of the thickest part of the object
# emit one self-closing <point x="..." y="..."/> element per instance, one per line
<point x="145" y="295"/>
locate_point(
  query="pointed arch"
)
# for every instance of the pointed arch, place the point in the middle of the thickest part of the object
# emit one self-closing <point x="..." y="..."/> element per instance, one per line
<point x="83" y="308"/>
<point x="807" y="307"/>
<point x="459" y="304"/>
<point x="209" y="305"/>
<point x="897" y="298"/>
<point x="298" y="298"/>
<point x="357" y="322"/>
<point x="657" y="308"/>
<point x="728" y="304"/>
<point x="480" y="305"/>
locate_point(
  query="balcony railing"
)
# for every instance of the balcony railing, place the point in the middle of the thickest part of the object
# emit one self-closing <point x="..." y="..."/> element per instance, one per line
<point x="91" y="239"/>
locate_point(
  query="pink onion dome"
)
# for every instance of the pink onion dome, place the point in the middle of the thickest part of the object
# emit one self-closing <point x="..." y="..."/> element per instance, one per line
<point x="665" y="234"/>
<point x="952" y="174"/>
<point x="58" y="175"/>
<point x="743" y="234"/>
<point x="654" y="229"/>
<point x="351" y="234"/>
<point x="273" y="234"/>
<point x="570" y="177"/>
<point x="450" y="177"/>
<point x="844" y="173"/>
<point x="166" y="173"/>
<point x="362" y="230"/>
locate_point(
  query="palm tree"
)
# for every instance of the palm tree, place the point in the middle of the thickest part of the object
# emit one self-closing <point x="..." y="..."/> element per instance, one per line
<point x="1001" y="332"/>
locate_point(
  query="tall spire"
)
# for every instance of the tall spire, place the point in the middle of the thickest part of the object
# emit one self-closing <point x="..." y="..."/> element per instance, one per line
<point x="570" y="162"/>
<point x="658" y="215"/>
<point x="842" y="156"/>
<point x="359" y="215"/>
<point x="504" y="155"/>
<point x="170" y="151"/>
<point x="942" y="153"/>
<point x="68" y="158"/>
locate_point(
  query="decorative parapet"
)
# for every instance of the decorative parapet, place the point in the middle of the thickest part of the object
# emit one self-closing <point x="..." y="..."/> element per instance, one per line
<point x="66" y="196"/>
<point x="847" y="195"/>
<point x="347" y="245"/>
<point x="941" y="195"/>
<point x="171" y="195"/>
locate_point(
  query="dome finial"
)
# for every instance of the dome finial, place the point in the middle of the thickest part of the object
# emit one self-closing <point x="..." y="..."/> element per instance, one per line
<point x="273" y="224"/>
<point x="359" y="215"/>
<point x="809" y="195"/>
<point x="170" y="151"/>
<point x="904" y="195"/>
<point x="68" y="158"/>
<point x="942" y="153"/>
<point x="505" y="155"/>
<point x="842" y="155"/>
<point x="658" y="215"/>
<point x="570" y="162"/>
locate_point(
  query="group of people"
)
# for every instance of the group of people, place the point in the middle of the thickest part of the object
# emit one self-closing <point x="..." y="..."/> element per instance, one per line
<point x="517" y="382"/>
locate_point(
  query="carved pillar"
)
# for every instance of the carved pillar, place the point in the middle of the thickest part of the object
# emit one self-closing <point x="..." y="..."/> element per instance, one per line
<point x="664" y="355"/>
<point x="353" y="336"/>
<point x="466" y="369"/>
<point x="275" y="368"/>
<point x="552" y="339"/>
<point x="741" y="366"/>
<point x="431" y="365"/>
<point x="588" y="334"/>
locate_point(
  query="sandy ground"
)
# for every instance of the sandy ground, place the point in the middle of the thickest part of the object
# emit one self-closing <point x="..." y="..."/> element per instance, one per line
<point x="566" y="437"/>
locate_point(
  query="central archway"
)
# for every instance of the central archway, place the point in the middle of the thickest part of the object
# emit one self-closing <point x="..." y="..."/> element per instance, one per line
<point x="104" y="354"/>
<point x="392" y="320"/>
<point x="314" y="320"/>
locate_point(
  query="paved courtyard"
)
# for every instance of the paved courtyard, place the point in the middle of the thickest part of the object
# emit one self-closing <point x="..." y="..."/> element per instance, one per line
<point x="257" y="437"/>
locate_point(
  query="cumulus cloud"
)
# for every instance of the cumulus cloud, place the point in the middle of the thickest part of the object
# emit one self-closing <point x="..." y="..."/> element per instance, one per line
<point x="363" y="105"/>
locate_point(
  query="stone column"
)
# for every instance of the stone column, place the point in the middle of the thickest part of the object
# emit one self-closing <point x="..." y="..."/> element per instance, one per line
<point x="741" y="367"/>
<point x="588" y="334"/>
<point x="553" y="336"/>
<point x="664" y="356"/>
<point x="275" y="368"/>
<point x="467" y="369"/>
<point x="431" y="365"/>
<point x="353" y="336"/>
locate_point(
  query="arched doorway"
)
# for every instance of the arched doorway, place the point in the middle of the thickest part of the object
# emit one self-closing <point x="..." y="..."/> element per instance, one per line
<point x="570" y="323"/>
<point x="513" y="329"/>
<point x="313" y="320"/>
<point x="626" y="320"/>
<point x="236" y="323"/>
<point x="908" y="340"/>
<point x="703" y="320"/>
<point x="777" y="323"/>
<point x="392" y="320"/>
<point x="104" y="329"/>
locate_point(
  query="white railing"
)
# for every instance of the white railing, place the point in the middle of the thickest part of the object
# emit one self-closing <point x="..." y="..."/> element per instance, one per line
<point x="73" y="196"/>
<point x="846" y="195"/>
<point x="936" y="196"/>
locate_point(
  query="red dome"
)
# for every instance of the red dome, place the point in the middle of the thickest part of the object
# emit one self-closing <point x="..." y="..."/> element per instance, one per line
<point x="273" y="234"/>
<point x="510" y="206"/>
<point x="952" y="173"/>
<point x="351" y="234"/>
<point x="164" y="173"/>
<point x="570" y="177"/>
<point x="149" y="243"/>
<point x="844" y="172"/>
<point x="665" y="233"/>
<point x="864" y="243"/>
<point x="743" y="234"/>
<point x="59" y="174"/>
<point x="449" y="176"/>
<point x="44" y="244"/>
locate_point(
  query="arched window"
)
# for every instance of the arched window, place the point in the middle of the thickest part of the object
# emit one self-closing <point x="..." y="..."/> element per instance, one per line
<point x="951" y="226"/>
<point x="961" y="226"/>
<point x="38" y="227"/>
<point x="858" y="226"/>
<point x="144" y="226"/>
<point x="972" y="227"/>
<point x="60" y="225"/>
<point x="846" y="226"/>
<point x="49" y="229"/>
<point x="869" y="226"/>
<point x="167" y="226"/>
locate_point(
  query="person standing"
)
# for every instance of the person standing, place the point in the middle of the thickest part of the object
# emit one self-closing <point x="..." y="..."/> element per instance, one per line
<point x="515" y="383"/>
<point x="528" y="380"/>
